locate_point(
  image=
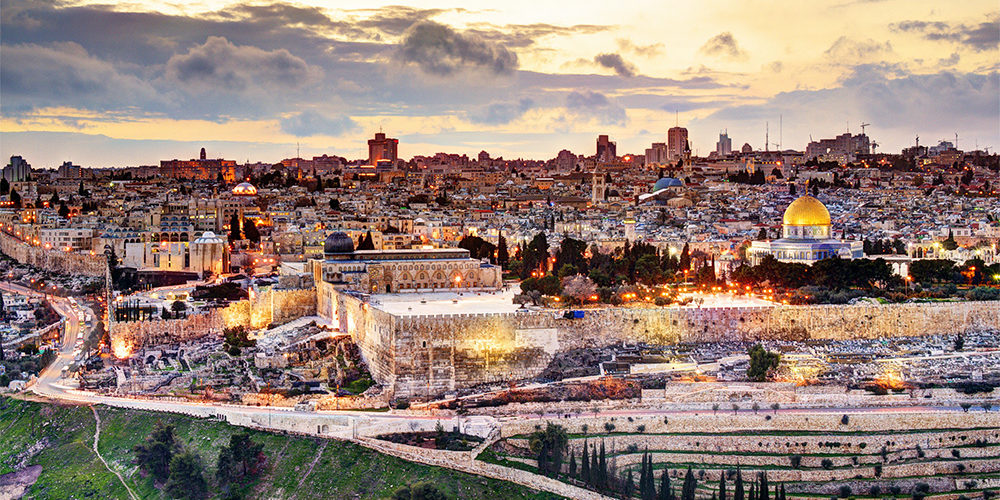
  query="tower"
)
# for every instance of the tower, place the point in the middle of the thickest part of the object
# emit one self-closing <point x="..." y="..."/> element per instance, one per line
<point x="202" y="155"/>
<point x="599" y="188"/>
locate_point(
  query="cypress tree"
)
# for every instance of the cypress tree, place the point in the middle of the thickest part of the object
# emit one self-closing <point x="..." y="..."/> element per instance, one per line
<point x="628" y="487"/>
<point x="585" y="465"/>
<point x="647" y="483"/>
<point x="690" y="484"/>
<point x="738" y="494"/>
<point x="602" y="473"/>
<point x="722" y="485"/>
<point x="572" y="463"/>
<point x="763" y="490"/>
<point x="595" y="468"/>
<point x="665" y="492"/>
<point x="753" y="491"/>
<point x="782" y="491"/>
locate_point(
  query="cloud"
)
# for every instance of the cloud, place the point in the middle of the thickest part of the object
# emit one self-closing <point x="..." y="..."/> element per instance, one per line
<point x="615" y="62"/>
<point x="775" y="67"/>
<point x="64" y="74"/>
<point x="950" y="60"/>
<point x="310" y="123"/>
<point x="220" y="65"/>
<point x="931" y="104"/>
<point x="440" y="50"/>
<point x="848" y="51"/>
<point x="627" y="45"/>
<point x="723" y="45"/>
<point x="595" y="105"/>
<point x="978" y="37"/>
<point x="499" y="113"/>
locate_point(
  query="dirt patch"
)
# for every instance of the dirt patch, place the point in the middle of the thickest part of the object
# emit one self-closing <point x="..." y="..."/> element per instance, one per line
<point x="15" y="484"/>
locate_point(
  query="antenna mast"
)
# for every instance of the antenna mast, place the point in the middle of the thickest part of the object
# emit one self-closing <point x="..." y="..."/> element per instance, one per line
<point x="766" y="136"/>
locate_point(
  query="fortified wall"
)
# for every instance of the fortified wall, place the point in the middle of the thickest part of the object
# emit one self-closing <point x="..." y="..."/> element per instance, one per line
<point x="423" y="356"/>
<point x="272" y="307"/>
<point x="51" y="260"/>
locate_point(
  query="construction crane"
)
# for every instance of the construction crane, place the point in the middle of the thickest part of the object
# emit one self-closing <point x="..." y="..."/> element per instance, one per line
<point x="863" y="125"/>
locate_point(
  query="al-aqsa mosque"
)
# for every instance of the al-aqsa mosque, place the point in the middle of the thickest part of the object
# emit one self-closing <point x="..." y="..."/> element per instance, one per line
<point x="805" y="237"/>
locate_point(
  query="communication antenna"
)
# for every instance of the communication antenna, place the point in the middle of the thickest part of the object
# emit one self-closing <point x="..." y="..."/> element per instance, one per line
<point x="677" y="118"/>
<point x="767" y="137"/>
<point x="297" y="154"/>
<point x="780" y="130"/>
<point x="956" y="140"/>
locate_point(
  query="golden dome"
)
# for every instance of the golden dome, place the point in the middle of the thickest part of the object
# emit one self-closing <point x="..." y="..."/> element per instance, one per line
<point x="806" y="211"/>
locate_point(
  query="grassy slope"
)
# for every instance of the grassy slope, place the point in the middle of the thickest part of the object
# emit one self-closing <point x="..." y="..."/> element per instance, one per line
<point x="297" y="467"/>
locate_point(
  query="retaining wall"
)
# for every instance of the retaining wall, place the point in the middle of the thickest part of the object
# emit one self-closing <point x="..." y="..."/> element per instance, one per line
<point x="424" y="356"/>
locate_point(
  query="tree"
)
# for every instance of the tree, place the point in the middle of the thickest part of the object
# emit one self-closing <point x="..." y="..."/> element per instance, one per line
<point x="685" y="262"/>
<point x="602" y="468"/>
<point x="178" y="307"/>
<point x="503" y="255"/>
<point x="666" y="492"/>
<point x="628" y="483"/>
<point x="585" y="465"/>
<point x="240" y="459"/>
<point x="424" y="490"/>
<point x="549" y="285"/>
<point x="689" y="487"/>
<point x="572" y="464"/>
<point x="595" y="468"/>
<point x="234" y="227"/>
<point x="763" y="490"/>
<point x="738" y="493"/>
<point x="648" y="271"/>
<point x="15" y="198"/>
<point x="949" y="243"/>
<point x="761" y="362"/>
<point x="155" y="454"/>
<point x="63" y="210"/>
<point x="4" y="186"/>
<point x="366" y="243"/>
<point x="580" y="288"/>
<point x="250" y="231"/>
<point x="335" y="204"/>
<point x="571" y="253"/>
<point x="549" y="447"/>
<point x="186" y="479"/>
<point x="722" y="485"/>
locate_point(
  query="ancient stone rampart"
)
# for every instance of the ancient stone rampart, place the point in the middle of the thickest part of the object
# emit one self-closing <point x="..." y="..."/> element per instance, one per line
<point x="51" y="260"/>
<point x="272" y="307"/>
<point x="433" y="354"/>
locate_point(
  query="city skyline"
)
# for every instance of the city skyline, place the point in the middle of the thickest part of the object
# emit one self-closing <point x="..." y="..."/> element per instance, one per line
<point x="259" y="82"/>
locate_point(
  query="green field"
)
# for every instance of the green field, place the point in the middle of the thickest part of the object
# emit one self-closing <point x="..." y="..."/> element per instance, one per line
<point x="59" y="439"/>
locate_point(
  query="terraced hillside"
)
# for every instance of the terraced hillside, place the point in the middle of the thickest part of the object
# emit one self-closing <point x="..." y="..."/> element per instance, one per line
<point x="51" y="448"/>
<point x="814" y="455"/>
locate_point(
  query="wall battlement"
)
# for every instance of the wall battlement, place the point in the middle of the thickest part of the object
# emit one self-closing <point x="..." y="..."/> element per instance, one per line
<point x="428" y="355"/>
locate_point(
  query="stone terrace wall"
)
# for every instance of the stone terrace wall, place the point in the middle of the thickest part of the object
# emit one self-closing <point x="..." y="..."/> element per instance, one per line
<point x="429" y="355"/>
<point x="51" y="260"/>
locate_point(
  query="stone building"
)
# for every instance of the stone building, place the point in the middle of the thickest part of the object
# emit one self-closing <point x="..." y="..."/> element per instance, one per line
<point x="391" y="271"/>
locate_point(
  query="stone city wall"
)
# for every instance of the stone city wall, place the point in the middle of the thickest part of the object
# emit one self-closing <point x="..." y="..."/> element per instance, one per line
<point x="51" y="260"/>
<point x="272" y="307"/>
<point x="425" y="356"/>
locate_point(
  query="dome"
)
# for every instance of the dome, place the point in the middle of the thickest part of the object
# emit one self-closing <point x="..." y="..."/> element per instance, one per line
<point x="245" y="189"/>
<point x="667" y="182"/>
<point x="208" y="238"/>
<point x="338" y="242"/>
<point x="806" y="211"/>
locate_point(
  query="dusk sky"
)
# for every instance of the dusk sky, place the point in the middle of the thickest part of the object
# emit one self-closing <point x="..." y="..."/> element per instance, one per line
<point x="132" y="84"/>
